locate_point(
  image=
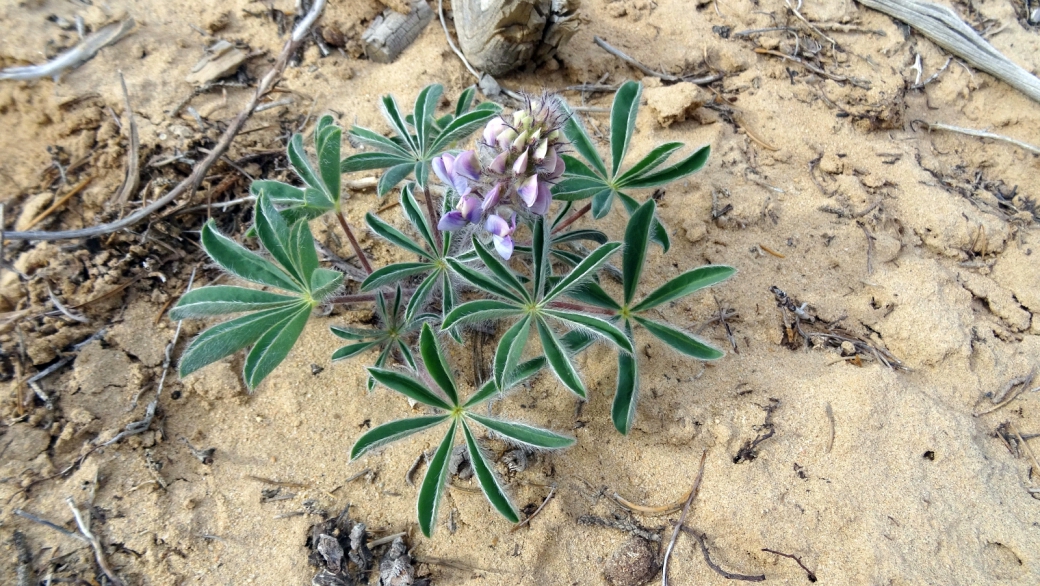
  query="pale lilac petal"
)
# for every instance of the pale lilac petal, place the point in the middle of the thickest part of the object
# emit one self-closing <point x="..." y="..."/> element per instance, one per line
<point x="558" y="171"/>
<point x="442" y="168"/>
<point x="452" y="220"/>
<point x="492" y="197"/>
<point x="528" y="190"/>
<point x="548" y="163"/>
<point x="466" y="165"/>
<point x="541" y="203"/>
<point x="520" y="166"/>
<point x="504" y="246"/>
<point x="497" y="226"/>
<point x="499" y="164"/>
<point x="471" y="209"/>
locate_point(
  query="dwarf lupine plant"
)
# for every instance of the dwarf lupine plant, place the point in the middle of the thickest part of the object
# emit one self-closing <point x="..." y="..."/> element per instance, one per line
<point x="492" y="242"/>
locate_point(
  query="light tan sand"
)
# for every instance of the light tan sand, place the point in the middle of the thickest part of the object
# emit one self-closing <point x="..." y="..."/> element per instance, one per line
<point x="844" y="483"/>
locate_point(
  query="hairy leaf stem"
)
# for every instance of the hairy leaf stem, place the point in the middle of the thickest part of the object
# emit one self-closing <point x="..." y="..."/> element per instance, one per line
<point x="584" y="210"/>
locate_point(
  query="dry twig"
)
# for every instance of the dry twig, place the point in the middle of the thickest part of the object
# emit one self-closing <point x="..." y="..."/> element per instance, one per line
<point x="682" y="518"/>
<point x="981" y="134"/>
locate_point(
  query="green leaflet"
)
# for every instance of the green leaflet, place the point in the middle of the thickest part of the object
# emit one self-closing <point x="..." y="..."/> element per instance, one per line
<point x="558" y="360"/>
<point x="510" y="349"/>
<point x="273" y="347"/>
<point x="680" y="341"/>
<point x="489" y="483"/>
<point x="623" y="121"/>
<point x="687" y="166"/>
<point x="432" y="488"/>
<point x="523" y="434"/>
<point x="392" y="432"/>
<point x="685" y="284"/>
<point x="226" y="338"/>
<point x="436" y="365"/>
<point x="223" y="299"/>
<point x="409" y="387"/>
<point x="245" y="264"/>
<point x="637" y="239"/>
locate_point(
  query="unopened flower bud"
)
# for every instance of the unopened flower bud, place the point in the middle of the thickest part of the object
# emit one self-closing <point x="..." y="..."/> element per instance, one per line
<point x="505" y="138"/>
<point x="541" y="150"/>
<point x="520" y="142"/>
<point x="499" y="164"/>
<point x="520" y="166"/>
<point x="493" y="129"/>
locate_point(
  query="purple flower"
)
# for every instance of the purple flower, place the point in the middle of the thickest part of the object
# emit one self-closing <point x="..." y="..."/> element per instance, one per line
<point x="491" y="197"/>
<point x="528" y="190"/>
<point x="452" y="221"/>
<point x="457" y="172"/>
<point x="467" y="166"/>
<point x="501" y="234"/>
<point x="548" y="161"/>
<point x="467" y="212"/>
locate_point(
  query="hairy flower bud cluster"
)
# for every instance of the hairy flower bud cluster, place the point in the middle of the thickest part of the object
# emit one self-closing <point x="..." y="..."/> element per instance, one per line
<point x="518" y="161"/>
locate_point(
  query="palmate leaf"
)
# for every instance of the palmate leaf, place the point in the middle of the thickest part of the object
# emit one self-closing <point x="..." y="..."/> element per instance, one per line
<point x="420" y="136"/>
<point x="485" y="282"/>
<point x="431" y="490"/>
<point x="277" y="320"/>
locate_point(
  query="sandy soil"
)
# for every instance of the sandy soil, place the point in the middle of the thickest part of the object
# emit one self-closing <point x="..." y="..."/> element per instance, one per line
<point x="924" y="245"/>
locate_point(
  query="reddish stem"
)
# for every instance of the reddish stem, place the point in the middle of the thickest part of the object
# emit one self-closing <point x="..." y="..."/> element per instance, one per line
<point x="433" y="218"/>
<point x="572" y="219"/>
<point x="353" y="242"/>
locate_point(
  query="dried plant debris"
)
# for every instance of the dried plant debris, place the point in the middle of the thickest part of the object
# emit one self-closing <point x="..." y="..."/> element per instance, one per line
<point x="801" y="326"/>
<point x="397" y="568"/>
<point x="749" y="451"/>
